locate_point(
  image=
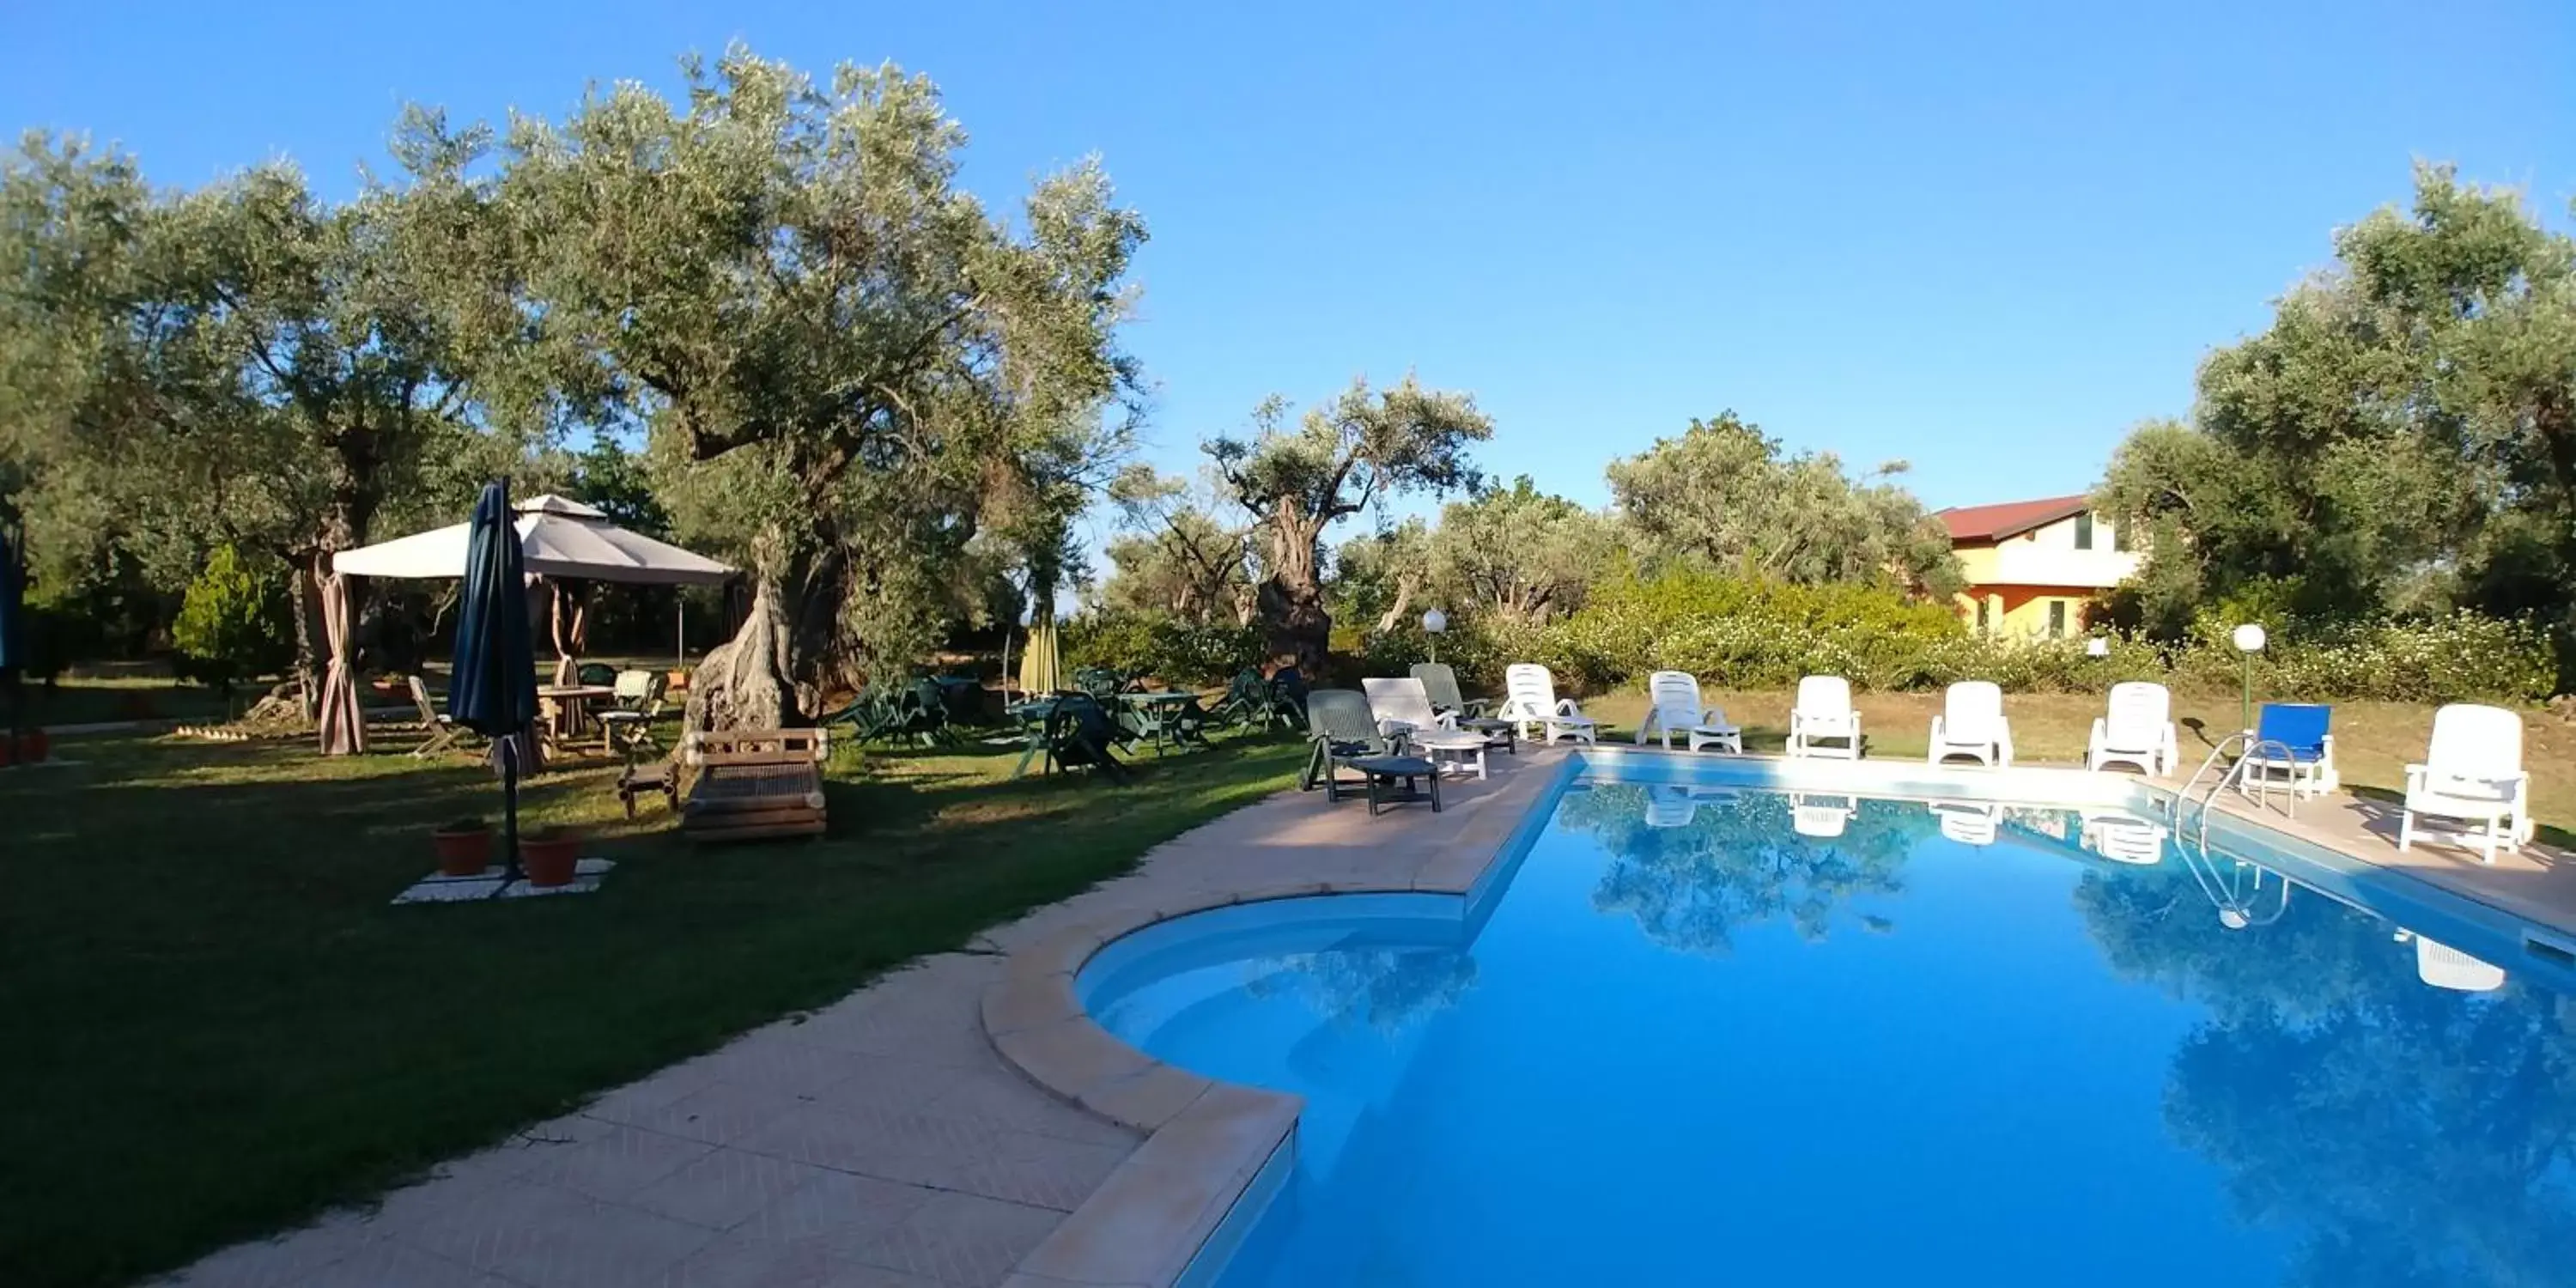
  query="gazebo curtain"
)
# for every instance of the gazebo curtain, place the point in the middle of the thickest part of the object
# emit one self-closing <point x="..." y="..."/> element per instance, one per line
<point x="343" y="727"/>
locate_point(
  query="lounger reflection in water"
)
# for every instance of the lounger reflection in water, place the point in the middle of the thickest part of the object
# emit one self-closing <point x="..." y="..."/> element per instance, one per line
<point x="1969" y="822"/>
<point x="2123" y="838"/>
<point x="1812" y="814"/>
<point x="1674" y="805"/>
<point x="2443" y="966"/>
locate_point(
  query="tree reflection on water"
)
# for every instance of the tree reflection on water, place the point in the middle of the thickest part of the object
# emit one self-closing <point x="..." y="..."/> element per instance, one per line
<point x="1736" y="861"/>
<point x="2414" y="1135"/>
<point x="1386" y="988"/>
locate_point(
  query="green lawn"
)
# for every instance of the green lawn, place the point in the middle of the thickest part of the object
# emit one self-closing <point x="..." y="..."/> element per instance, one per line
<point x="215" y="1025"/>
<point x="94" y="701"/>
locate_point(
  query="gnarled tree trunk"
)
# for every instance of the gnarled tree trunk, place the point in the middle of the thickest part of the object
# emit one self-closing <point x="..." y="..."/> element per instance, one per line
<point x="744" y="683"/>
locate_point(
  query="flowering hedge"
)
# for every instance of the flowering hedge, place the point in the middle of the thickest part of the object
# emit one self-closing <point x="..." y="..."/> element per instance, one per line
<point x="1751" y="635"/>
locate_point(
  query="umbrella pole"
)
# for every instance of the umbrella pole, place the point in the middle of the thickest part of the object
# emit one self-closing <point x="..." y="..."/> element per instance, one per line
<point x="509" y="810"/>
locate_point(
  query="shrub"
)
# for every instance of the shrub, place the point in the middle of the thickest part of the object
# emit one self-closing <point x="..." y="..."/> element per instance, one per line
<point x="1735" y="633"/>
<point x="234" y="624"/>
<point x="1167" y="648"/>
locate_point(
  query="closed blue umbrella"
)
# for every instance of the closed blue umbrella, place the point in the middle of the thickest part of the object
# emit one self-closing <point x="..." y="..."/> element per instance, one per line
<point x="13" y="611"/>
<point x="494" y="688"/>
<point x="13" y="607"/>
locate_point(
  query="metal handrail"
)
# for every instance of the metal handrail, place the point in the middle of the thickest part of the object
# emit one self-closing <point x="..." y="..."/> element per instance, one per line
<point x="2236" y="773"/>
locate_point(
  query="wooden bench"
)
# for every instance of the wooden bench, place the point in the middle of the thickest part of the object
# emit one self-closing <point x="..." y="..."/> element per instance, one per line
<point x="754" y="783"/>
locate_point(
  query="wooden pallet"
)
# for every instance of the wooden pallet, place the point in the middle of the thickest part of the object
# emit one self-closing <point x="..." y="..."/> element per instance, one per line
<point x="755" y="783"/>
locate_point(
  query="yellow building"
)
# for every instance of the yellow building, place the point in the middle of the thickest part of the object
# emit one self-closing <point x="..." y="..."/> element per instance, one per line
<point x="2032" y="565"/>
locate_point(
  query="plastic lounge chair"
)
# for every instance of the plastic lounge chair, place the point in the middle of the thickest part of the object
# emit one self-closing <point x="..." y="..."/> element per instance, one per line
<point x="2472" y="774"/>
<point x="1079" y="731"/>
<point x="1824" y="712"/>
<point x="2292" y="746"/>
<point x="1972" y="724"/>
<point x="1530" y="700"/>
<point x="444" y="734"/>
<point x="1404" y="706"/>
<point x="1441" y="682"/>
<point x="1246" y="702"/>
<point x="1675" y="708"/>
<point x="629" y="723"/>
<point x="2137" y="729"/>
<point x="595" y="674"/>
<point x="925" y="712"/>
<point x="1346" y="736"/>
<point x="1288" y="696"/>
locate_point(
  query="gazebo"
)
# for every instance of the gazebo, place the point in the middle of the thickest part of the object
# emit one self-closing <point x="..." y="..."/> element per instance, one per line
<point x="560" y="540"/>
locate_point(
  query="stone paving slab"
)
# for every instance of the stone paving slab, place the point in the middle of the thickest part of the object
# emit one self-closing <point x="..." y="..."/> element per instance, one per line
<point x="880" y="1142"/>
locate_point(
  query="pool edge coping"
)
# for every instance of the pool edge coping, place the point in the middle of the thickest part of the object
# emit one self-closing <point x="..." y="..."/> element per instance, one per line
<point x="1207" y="1141"/>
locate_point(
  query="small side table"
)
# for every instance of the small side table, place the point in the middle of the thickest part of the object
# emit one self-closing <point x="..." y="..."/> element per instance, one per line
<point x="1457" y="752"/>
<point x="1497" y="733"/>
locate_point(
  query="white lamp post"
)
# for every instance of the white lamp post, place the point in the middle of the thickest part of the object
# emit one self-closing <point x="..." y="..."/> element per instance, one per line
<point x="2249" y="641"/>
<point x="1433" y="623"/>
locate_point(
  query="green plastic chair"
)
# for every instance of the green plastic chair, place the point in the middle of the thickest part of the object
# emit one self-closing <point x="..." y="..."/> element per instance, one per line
<point x="1346" y="736"/>
<point x="1441" y="683"/>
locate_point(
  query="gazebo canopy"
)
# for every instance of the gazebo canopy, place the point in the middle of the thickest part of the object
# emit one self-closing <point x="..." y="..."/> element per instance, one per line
<point x="558" y="538"/>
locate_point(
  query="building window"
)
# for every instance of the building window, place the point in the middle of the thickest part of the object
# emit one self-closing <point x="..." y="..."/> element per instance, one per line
<point x="2084" y="531"/>
<point x="2120" y="537"/>
<point x="1983" y="624"/>
<point x="2057" y="619"/>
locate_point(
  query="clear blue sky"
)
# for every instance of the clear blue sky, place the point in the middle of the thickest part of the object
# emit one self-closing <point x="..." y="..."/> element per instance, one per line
<point x="1985" y="240"/>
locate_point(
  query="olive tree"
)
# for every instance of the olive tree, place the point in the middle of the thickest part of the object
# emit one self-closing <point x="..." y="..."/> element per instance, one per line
<point x="244" y="363"/>
<point x="847" y="364"/>
<point x="1342" y="458"/>
<point x="1519" y="553"/>
<point x="2402" y="437"/>
<point x="1726" y="495"/>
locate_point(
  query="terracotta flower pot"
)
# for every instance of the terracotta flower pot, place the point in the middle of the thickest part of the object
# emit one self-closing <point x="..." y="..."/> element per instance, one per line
<point x="463" y="850"/>
<point x="34" y="746"/>
<point x="549" y="856"/>
<point x="677" y="680"/>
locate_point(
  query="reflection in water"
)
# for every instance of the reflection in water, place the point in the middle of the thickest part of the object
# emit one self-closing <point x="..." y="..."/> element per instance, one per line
<point x="1969" y="822"/>
<point x="1737" y="861"/>
<point x="2443" y="966"/>
<point x="2245" y="894"/>
<point x="2123" y="837"/>
<point x="1811" y="814"/>
<point x="2350" y="1109"/>
<point x="2414" y="1135"/>
<point x="1383" y="988"/>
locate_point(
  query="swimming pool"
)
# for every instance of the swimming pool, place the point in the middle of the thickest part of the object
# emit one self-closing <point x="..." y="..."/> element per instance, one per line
<point x="1701" y="1032"/>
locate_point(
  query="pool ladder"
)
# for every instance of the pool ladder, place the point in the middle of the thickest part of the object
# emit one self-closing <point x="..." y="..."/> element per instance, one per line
<point x="2236" y="775"/>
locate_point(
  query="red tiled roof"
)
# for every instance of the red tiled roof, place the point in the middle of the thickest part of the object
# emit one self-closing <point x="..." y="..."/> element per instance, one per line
<point x="2009" y="518"/>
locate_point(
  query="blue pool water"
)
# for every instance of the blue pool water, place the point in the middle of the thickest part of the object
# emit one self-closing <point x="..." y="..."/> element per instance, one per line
<point x="1687" y="1044"/>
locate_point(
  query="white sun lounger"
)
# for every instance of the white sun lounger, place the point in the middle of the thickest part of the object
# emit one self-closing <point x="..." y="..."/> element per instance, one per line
<point x="1676" y="709"/>
<point x="2472" y="774"/>
<point x="1972" y="724"/>
<point x="1824" y="712"/>
<point x="2137" y="730"/>
<point x="1529" y="699"/>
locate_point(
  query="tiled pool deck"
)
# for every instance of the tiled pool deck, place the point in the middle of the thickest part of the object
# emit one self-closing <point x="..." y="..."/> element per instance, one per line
<point x="959" y="1123"/>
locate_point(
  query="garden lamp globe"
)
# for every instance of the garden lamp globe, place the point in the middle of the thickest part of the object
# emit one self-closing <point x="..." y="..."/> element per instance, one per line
<point x="1433" y="623"/>
<point x="2249" y="640"/>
